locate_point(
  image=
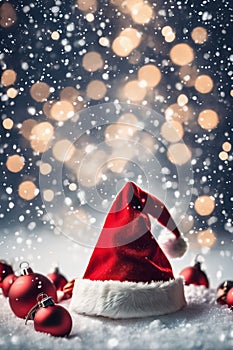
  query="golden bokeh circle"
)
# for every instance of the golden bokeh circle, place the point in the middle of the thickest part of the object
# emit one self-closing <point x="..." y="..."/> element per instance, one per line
<point x="96" y="90"/>
<point x="199" y="35"/>
<point x="40" y="91"/>
<point x="12" y="92"/>
<point x="178" y="153"/>
<point x="223" y="155"/>
<point x="8" y="77"/>
<point x="122" y="46"/>
<point x="40" y="136"/>
<point x="63" y="150"/>
<point x="134" y="91"/>
<point x="182" y="54"/>
<point x="8" y="123"/>
<point x="204" y="205"/>
<point x="27" y="190"/>
<point x="226" y="146"/>
<point x="178" y="113"/>
<point x="48" y="195"/>
<point x="141" y="13"/>
<point x="172" y="131"/>
<point x="8" y="15"/>
<point x="208" y="119"/>
<point x="149" y="74"/>
<point x="206" y="238"/>
<point x="45" y="168"/>
<point x="55" y="35"/>
<point x="133" y="35"/>
<point x="92" y="61"/>
<point x="204" y="84"/>
<point x="62" y="110"/>
<point x="15" y="163"/>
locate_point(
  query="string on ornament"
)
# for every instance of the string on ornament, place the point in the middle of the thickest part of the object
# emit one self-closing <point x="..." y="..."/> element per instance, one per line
<point x="49" y="317"/>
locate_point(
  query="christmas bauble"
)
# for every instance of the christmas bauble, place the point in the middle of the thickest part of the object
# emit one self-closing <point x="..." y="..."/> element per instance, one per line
<point x="194" y="275"/>
<point x="222" y="291"/>
<point x="51" y="318"/>
<point x="24" y="291"/>
<point x="229" y="298"/>
<point x="7" y="283"/>
<point x="57" y="278"/>
<point x="5" y="270"/>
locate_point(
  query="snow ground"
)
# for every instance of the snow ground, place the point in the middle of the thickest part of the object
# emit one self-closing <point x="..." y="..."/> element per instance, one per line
<point x="203" y="324"/>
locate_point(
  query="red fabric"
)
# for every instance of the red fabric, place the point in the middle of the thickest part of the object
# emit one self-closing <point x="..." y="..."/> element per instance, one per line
<point x="126" y="249"/>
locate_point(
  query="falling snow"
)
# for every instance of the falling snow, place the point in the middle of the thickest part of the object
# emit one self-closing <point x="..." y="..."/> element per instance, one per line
<point x="94" y="94"/>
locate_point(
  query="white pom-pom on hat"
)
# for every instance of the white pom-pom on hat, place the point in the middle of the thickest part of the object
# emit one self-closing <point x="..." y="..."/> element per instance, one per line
<point x="172" y="246"/>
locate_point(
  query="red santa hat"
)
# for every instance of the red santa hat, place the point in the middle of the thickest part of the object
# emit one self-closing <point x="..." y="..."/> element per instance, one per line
<point x="128" y="274"/>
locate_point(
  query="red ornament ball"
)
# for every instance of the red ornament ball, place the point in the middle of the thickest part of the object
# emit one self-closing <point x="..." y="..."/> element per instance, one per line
<point x="229" y="298"/>
<point x="53" y="319"/>
<point x="222" y="291"/>
<point x="24" y="291"/>
<point x="58" y="279"/>
<point x="5" y="270"/>
<point x="194" y="275"/>
<point x="7" y="283"/>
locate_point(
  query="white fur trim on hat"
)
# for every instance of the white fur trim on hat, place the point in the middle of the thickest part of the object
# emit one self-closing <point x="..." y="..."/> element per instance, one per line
<point x="172" y="246"/>
<point x="117" y="299"/>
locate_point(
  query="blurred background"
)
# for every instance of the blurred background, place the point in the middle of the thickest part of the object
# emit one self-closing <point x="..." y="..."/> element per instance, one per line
<point x="98" y="93"/>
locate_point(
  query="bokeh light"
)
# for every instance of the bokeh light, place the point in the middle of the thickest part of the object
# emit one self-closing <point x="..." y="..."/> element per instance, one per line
<point x="45" y="168"/>
<point x="182" y="100"/>
<point x="40" y="136"/>
<point x="63" y="150"/>
<point x="48" y="195"/>
<point x="55" y="35"/>
<point x="12" y="92"/>
<point x="182" y="54"/>
<point x="8" y="77"/>
<point x="178" y="113"/>
<point x="8" y="123"/>
<point x="172" y="131"/>
<point x="179" y="153"/>
<point x="134" y="91"/>
<point x="27" y="190"/>
<point x="40" y="91"/>
<point x="141" y="13"/>
<point x="8" y="15"/>
<point x="208" y="119"/>
<point x="223" y="155"/>
<point x="92" y="61"/>
<point x="149" y="74"/>
<point x="168" y="34"/>
<point x="204" y="205"/>
<point x="226" y="146"/>
<point x="122" y="46"/>
<point x="15" y="163"/>
<point x="62" y="110"/>
<point x="204" y="84"/>
<point x="206" y="238"/>
<point x="199" y="35"/>
<point x="96" y="90"/>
